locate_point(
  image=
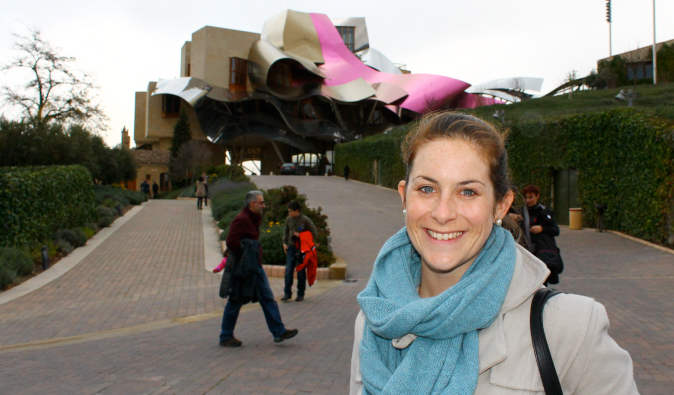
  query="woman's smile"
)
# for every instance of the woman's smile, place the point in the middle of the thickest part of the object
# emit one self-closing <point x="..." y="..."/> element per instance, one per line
<point x="444" y="236"/>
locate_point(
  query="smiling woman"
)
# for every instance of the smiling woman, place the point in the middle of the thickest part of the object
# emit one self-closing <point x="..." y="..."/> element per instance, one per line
<point x="447" y="308"/>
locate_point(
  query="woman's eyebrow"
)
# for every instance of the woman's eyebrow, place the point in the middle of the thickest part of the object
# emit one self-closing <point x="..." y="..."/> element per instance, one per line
<point x="427" y="179"/>
<point x="470" y="182"/>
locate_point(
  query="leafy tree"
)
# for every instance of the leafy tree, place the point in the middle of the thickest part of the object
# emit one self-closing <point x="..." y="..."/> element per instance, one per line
<point x="181" y="133"/>
<point x="665" y="63"/>
<point x="55" y="90"/>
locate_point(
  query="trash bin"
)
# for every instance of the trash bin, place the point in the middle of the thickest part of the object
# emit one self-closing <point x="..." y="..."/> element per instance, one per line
<point x="575" y="218"/>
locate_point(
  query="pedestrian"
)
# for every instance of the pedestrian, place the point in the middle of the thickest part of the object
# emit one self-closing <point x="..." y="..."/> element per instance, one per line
<point x="155" y="189"/>
<point x="347" y="170"/>
<point x="540" y="229"/>
<point x="246" y="228"/>
<point x="448" y="307"/>
<point x="203" y="174"/>
<point x="295" y="223"/>
<point x="200" y="192"/>
<point x="145" y="188"/>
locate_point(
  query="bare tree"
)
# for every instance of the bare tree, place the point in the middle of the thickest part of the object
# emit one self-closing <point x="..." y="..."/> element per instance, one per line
<point x="192" y="157"/>
<point x="571" y="78"/>
<point x="55" y="90"/>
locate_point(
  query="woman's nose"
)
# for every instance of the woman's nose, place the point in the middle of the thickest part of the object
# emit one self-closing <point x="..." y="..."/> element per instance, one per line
<point x="444" y="210"/>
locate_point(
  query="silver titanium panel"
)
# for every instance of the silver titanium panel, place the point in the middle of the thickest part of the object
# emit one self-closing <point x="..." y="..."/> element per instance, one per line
<point x="361" y="40"/>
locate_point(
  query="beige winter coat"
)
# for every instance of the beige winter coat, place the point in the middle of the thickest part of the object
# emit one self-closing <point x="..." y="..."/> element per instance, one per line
<point x="586" y="358"/>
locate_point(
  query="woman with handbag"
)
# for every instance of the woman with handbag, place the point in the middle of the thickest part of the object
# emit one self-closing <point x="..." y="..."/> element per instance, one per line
<point x="448" y="307"/>
<point x="540" y="229"/>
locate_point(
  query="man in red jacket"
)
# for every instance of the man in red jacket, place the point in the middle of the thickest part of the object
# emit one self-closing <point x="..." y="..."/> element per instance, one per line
<point x="246" y="225"/>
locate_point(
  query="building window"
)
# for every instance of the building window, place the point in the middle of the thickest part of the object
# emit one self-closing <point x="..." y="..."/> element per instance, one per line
<point x="170" y="106"/>
<point x="238" y="74"/>
<point x="189" y="71"/>
<point x="280" y="75"/>
<point x="348" y="34"/>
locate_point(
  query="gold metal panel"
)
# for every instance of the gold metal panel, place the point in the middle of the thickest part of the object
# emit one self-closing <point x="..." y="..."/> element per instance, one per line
<point x="300" y="37"/>
<point x="353" y="91"/>
<point x="388" y="93"/>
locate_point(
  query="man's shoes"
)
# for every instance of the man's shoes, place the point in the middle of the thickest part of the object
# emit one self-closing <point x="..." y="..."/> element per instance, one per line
<point x="232" y="342"/>
<point x="288" y="334"/>
<point x="286" y="298"/>
<point x="299" y="299"/>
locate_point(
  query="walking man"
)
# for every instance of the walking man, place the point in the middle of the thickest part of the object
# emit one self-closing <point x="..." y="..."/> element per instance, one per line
<point x="246" y="227"/>
<point x="145" y="188"/>
<point x="347" y="170"/>
<point x="295" y="223"/>
<point x="155" y="189"/>
<point x="203" y="174"/>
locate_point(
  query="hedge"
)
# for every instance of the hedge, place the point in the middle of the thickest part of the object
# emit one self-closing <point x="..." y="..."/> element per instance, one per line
<point x="623" y="157"/>
<point x="36" y="202"/>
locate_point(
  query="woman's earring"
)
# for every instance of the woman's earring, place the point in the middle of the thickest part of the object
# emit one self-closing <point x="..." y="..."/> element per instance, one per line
<point x="404" y="212"/>
<point x="499" y="222"/>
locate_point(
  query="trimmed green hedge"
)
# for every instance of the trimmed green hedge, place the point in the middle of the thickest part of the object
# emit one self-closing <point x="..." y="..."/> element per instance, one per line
<point x="36" y="202"/>
<point x="624" y="158"/>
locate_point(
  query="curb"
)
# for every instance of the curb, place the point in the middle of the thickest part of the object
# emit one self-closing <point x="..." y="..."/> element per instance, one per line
<point x="336" y="271"/>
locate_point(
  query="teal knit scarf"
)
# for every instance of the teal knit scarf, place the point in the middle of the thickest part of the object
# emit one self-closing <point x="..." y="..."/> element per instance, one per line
<point x="444" y="357"/>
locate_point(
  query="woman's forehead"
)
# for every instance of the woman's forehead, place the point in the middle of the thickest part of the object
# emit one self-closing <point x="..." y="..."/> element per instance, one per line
<point x="449" y="159"/>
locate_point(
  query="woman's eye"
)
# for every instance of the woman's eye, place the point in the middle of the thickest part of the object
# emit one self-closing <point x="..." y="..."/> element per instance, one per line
<point x="426" y="189"/>
<point x="468" y="192"/>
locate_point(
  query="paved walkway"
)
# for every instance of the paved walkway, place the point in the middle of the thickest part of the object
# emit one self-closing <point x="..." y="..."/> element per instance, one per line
<point x="140" y="314"/>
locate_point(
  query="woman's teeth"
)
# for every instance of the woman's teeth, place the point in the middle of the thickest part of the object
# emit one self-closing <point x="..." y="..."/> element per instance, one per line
<point x="444" y="236"/>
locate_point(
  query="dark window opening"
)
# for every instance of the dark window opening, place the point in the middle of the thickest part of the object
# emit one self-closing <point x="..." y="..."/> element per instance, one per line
<point x="189" y="69"/>
<point x="280" y="75"/>
<point x="170" y="106"/>
<point x="348" y="34"/>
<point x="238" y="74"/>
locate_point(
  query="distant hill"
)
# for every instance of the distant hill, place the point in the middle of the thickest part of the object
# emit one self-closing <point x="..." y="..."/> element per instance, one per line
<point x="657" y="100"/>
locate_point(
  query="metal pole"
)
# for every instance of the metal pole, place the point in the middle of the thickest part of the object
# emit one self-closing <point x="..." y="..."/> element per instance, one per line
<point x="655" y="53"/>
<point x="610" y="45"/>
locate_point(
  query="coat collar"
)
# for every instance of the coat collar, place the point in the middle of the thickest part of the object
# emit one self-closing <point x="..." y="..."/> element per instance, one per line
<point x="529" y="276"/>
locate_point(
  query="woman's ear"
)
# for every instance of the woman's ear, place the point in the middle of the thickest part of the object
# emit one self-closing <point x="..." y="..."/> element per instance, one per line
<point x="504" y="205"/>
<point x="401" y="191"/>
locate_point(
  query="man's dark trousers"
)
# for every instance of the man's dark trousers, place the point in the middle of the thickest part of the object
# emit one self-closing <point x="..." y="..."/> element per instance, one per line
<point x="290" y="269"/>
<point x="269" y="307"/>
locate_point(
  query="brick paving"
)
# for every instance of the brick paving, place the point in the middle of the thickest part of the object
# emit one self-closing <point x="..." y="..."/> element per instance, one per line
<point x="152" y="269"/>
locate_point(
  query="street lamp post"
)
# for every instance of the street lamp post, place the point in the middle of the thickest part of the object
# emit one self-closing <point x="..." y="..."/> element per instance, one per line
<point x="655" y="53"/>
<point x="608" y="19"/>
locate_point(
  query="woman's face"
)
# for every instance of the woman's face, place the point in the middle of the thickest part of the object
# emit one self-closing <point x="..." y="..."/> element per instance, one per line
<point x="450" y="205"/>
<point x="531" y="199"/>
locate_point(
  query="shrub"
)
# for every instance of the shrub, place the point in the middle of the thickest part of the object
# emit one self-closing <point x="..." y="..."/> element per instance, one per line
<point x="92" y="226"/>
<point x="105" y="221"/>
<point x="227" y="219"/>
<point x="88" y="232"/>
<point x="103" y="211"/>
<point x="6" y="277"/>
<point x="271" y="239"/>
<point x="106" y="195"/>
<point x="16" y="260"/>
<point x="223" y="235"/>
<point x="63" y="246"/>
<point x="232" y="173"/>
<point x="67" y="235"/>
<point x="81" y="237"/>
<point x="35" y="202"/>
<point x="277" y="200"/>
<point x="109" y="203"/>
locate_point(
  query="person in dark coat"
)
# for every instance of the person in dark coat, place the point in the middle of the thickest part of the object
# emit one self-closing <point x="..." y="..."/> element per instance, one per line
<point x="347" y="170"/>
<point x="246" y="225"/>
<point x="155" y="189"/>
<point x="145" y="188"/>
<point x="543" y="229"/>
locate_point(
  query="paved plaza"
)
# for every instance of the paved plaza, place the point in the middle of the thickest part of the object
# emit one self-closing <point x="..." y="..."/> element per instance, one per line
<point x="140" y="313"/>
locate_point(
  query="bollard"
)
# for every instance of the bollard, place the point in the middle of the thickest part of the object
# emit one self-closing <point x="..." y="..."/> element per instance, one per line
<point x="600" y="207"/>
<point x="45" y="258"/>
<point x="575" y="218"/>
<point x="119" y="209"/>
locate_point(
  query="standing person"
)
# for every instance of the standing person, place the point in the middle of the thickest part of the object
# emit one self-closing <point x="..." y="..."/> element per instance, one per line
<point x="203" y="174"/>
<point x="155" y="189"/>
<point x="542" y="230"/>
<point x="347" y="170"/>
<point x="246" y="227"/>
<point x="200" y="192"/>
<point x="447" y="309"/>
<point x="145" y="188"/>
<point x="295" y="223"/>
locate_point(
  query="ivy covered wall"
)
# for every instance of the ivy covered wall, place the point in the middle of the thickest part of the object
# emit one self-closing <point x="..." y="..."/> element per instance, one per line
<point x="624" y="159"/>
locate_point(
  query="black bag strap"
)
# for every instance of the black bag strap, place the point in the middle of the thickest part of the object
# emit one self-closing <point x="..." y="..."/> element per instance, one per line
<point x="527" y="234"/>
<point x="543" y="357"/>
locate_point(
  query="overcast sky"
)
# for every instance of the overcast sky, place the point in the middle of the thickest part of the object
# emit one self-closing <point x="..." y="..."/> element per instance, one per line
<point x="125" y="44"/>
